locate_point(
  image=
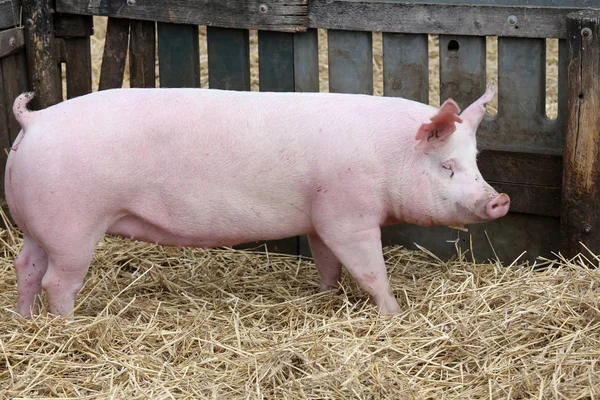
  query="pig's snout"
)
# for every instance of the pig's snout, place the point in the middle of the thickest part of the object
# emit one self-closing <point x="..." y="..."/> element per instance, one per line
<point x="498" y="207"/>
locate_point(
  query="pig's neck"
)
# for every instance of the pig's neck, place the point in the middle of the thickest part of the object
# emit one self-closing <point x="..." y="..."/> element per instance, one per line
<point x="410" y="190"/>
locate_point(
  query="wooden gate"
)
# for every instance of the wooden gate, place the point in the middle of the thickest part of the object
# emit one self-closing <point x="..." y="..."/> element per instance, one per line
<point x="524" y="153"/>
<point x="13" y="75"/>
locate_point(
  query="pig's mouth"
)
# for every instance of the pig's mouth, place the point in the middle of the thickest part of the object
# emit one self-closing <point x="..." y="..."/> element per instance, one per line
<point x="482" y="211"/>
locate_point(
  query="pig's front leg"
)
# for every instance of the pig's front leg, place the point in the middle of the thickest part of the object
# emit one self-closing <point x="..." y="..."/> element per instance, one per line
<point x="327" y="263"/>
<point x="30" y="267"/>
<point x="361" y="253"/>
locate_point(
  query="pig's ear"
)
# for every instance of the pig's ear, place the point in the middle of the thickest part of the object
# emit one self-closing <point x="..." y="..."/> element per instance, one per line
<point x="475" y="112"/>
<point x="442" y="125"/>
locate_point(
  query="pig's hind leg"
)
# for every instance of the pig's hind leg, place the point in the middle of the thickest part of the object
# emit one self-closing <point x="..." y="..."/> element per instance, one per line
<point x="361" y="253"/>
<point x="328" y="265"/>
<point x="69" y="255"/>
<point x="30" y="266"/>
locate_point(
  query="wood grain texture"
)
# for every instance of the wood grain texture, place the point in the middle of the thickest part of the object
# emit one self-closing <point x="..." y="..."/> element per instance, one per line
<point x="9" y="13"/>
<point x="462" y="68"/>
<point x="277" y="15"/>
<point x="521" y="168"/>
<point x="275" y="61"/>
<point x="510" y="236"/>
<point x="11" y="41"/>
<point x="71" y="25"/>
<point x="228" y="58"/>
<point x="449" y="19"/>
<point x="521" y="123"/>
<point x="40" y="46"/>
<point x="13" y="82"/>
<point x="406" y="66"/>
<point x="178" y="55"/>
<point x="142" y="54"/>
<point x="115" y="54"/>
<point x="580" y="220"/>
<point x="350" y="62"/>
<point x="16" y="81"/>
<point x="276" y="74"/>
<point x="78" y="66"/>
<point x="306" y="61"/>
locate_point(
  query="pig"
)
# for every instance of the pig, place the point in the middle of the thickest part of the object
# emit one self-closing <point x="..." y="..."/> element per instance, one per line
<point x="207" y="168"/>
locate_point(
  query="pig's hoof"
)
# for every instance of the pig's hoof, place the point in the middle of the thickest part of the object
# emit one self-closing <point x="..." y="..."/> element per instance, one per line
<point x="334" y="287"/>
<point x="389" y="309"/>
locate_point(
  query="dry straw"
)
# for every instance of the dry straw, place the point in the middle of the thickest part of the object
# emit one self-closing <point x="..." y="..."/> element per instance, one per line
<point x="166" y="323"/>
<point x="157" y="322"/>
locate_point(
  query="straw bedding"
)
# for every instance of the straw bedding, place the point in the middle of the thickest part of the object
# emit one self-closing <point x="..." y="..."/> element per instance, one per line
<point x="158" y="322"/>
<point x="162" y="323"/>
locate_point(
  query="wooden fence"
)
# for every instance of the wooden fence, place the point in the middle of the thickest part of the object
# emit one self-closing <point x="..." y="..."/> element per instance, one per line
<point x="549" y="167"/>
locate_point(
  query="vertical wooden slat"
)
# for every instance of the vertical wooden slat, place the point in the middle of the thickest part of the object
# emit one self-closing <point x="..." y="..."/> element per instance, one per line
<point x="350" y="62"/>
<point x="142" y="52"/>
<point x="228" y="58"/>
<point x="522" y="81"/>
<point x="406" y="66"/>
<point x="276" y="74"/>
<point x="13" y="81"/>
<point x="306" y="79"/>
<point x="178" y="55"/>
<point x="306" y="61"/>
<point x="276" y="61"/>
<point x="521" y="123"/>
<point x="462" y="68"/>
<point x="40" y="45"/>
<point x="580" y="219"/>
<point x="563" y="62"/>
<point x="79" y="66"/>
<point x="5" y="142"/>
<point x="115" y="54"/>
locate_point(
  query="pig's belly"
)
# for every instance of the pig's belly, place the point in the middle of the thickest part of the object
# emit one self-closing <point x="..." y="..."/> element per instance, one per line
<point x="137" y="228"/>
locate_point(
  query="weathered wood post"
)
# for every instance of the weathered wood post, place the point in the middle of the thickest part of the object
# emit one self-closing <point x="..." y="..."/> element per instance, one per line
<point x="42" y="57"/>
<point x="580" y="219"/>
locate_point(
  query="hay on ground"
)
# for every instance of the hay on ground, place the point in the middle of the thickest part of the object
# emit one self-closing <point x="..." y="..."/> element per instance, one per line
<point x="159" y="322"/>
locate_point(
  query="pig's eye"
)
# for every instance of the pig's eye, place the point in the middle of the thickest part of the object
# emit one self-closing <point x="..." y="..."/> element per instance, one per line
<point x="448" y="167"/>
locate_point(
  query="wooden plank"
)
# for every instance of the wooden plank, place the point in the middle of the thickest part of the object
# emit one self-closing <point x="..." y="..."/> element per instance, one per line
<point x="535" y="200"/>
<point x="277" y="15"/>
<point x="450" y="19"/>
<point x="178" y="55"/>
<point x="42" y="62"/>
<point x="11" y="41"/>
<point x="510" y="236"/>
<point x="142" y="54"/>
<point x="71" y="25"/>
<point x="276" y="61"/>
<point x="13" y="81"/>
<point x="78" y="66"/>
<point x="580" y="218"/>
<point x="462" y="68"/>
<point x="16" y="81"/>
<point x="306" y="61"/>
<point x="115" y="54"/>
<point x="228" y="58"/>
<point x="350" y="62"/>
<point x="5" y="114"/>
<point x="521" y="123"/>
<point x="544" y="3"/>
<point x="406" y="66"/>
<point x="276" y="74"/>
<point x="9" y="13"/>
<point x="521" y="168"/>
<point x="306" y="79"/>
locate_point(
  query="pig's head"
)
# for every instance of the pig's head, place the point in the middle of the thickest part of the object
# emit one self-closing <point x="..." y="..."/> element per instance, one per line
<point x="459" y="195"/>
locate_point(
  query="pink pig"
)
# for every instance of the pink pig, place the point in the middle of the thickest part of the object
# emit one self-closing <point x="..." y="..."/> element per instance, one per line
<point x="205" y="168"/>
